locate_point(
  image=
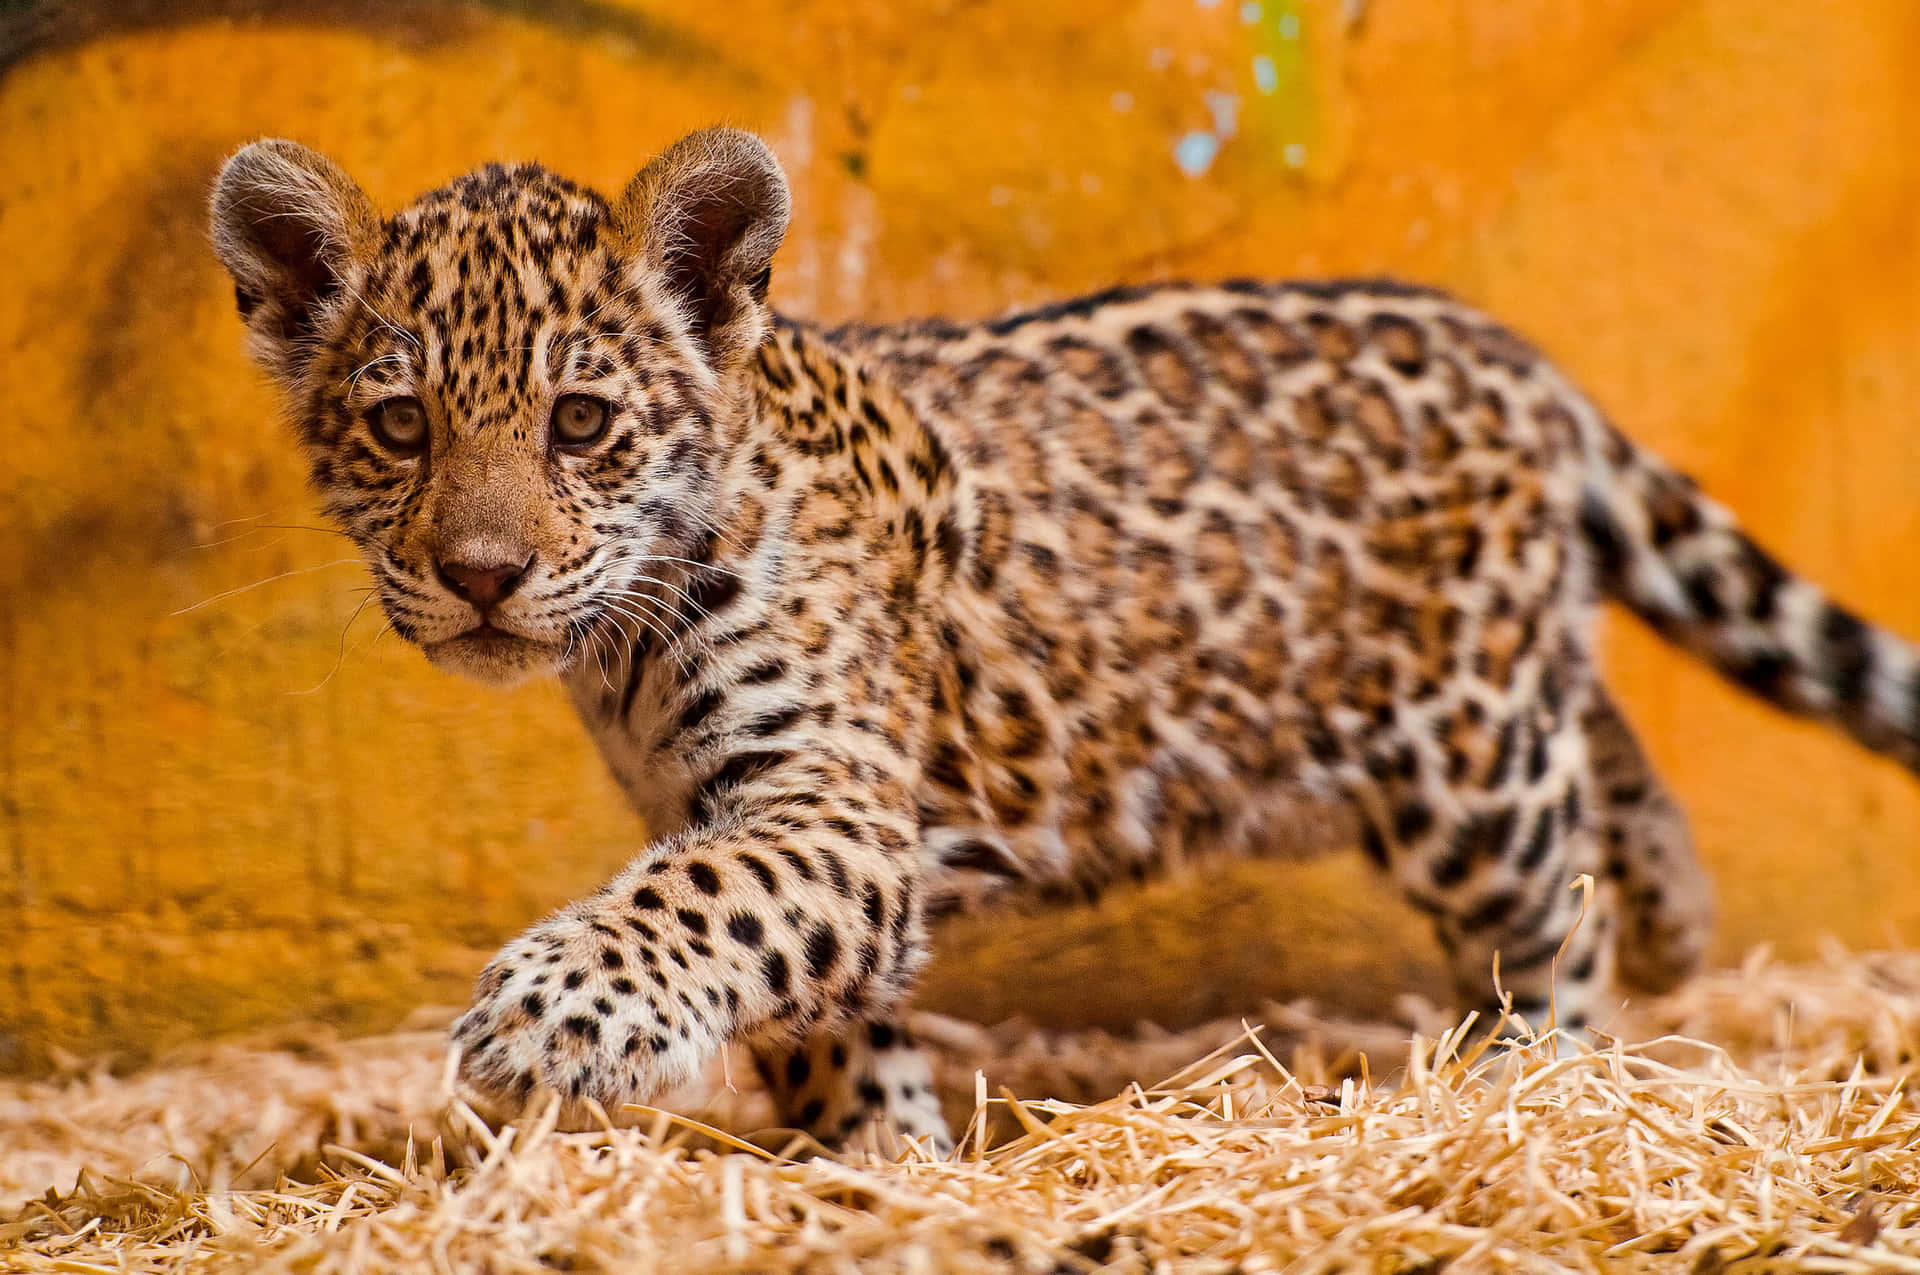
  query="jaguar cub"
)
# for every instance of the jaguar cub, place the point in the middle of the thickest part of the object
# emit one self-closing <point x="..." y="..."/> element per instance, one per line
<point x="874" y="621"/>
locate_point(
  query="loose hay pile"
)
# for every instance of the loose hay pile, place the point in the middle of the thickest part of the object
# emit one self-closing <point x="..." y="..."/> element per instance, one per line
<point x="1789" y="1145"/>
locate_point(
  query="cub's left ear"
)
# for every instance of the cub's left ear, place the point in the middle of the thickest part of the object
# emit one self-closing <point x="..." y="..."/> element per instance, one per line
<point x="287" y="224"/>
<point x="708" y="213"/>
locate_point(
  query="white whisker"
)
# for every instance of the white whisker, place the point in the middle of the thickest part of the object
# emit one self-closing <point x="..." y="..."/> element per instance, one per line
<point x="703" y="566"/>
<point x="622" y="605"/>
<point x="645" y="578"/>
<point x="385" y="322"/>
<point x="627" y="291"/>
<point x="353" y="378"/>
<point x="263" y="527"/>
<point x="248" y="588"/>
<point x="340" y="657"/>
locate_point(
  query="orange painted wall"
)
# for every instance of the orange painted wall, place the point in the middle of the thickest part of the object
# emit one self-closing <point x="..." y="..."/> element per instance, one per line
<point x="246" y="812"/>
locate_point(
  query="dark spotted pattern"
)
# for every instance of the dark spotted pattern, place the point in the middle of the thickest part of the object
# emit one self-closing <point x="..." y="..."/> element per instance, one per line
<point x="882" y="620"/>
<point x="866" y="1083"/>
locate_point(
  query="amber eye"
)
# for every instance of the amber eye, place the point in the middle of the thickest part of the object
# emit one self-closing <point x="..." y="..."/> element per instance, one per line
<point x="579" y="419"/>
<point x="400" y="425"/>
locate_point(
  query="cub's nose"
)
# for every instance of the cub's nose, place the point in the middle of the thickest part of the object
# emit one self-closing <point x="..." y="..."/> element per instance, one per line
<point x="482" y="586"/>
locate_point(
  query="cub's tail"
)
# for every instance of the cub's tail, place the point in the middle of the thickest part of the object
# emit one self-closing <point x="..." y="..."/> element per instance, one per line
<point x="1680" y="562"/>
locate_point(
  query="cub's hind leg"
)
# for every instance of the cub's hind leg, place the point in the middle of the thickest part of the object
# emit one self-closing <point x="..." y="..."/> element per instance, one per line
<point x="1666" y="898"/>
<point x="1525" y="928"/>
<point x="854" y="1083"/>
<point x="1494" y="853"/>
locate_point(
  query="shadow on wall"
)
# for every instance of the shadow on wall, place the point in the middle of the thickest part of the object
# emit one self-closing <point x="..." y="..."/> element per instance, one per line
<point x="42" y="26"/>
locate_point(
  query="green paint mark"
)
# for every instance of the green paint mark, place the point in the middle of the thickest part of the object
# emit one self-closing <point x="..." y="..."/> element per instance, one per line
<point x="1282" y="117"/>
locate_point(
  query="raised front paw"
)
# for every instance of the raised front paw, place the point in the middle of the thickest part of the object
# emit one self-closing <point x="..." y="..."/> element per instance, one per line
<point x="571" y="1005"/>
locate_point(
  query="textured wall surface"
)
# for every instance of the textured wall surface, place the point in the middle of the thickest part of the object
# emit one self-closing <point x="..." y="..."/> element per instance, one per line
<point x="223" y="805"/>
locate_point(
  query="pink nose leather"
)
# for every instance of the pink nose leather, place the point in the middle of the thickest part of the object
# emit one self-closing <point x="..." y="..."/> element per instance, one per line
<point x="482" y="586"/>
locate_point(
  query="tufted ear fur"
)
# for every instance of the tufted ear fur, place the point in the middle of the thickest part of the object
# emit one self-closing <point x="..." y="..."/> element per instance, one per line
<point x="286" y="224"/>
<point x="708" y="213"/>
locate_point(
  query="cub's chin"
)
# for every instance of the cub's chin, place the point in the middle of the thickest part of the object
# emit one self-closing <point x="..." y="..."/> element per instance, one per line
<point x="493" y="656"/>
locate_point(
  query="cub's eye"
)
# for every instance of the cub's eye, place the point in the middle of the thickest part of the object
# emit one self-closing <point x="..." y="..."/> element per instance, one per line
<point x="579" y="420"/>
<point x="400" y="425"/>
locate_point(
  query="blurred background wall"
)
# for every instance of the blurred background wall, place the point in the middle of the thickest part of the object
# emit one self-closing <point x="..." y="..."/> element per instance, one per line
<point x="224" y="806"/>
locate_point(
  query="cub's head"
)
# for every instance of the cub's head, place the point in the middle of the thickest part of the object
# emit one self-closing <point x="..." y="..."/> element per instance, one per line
<point x="513" y="393"/>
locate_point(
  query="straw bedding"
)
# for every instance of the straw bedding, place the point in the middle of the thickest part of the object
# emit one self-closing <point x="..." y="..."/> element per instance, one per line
<point x="1312" y="1145"/>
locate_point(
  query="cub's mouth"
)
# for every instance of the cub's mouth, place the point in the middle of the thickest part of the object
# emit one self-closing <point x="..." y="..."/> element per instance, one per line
<point x="494" y="655"/>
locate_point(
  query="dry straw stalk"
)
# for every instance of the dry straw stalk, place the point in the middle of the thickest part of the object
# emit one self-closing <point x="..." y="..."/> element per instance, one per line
<point x="1788" y="1144"/>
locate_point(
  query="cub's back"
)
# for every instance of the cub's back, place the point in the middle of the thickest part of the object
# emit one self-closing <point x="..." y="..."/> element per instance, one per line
<point x="1224" y="529"/>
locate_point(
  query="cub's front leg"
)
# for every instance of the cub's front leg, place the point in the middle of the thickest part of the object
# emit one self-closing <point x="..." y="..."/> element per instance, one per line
<point x="792" y="910"/>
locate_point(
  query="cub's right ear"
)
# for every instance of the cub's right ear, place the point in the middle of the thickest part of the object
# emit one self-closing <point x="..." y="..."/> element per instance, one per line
<point x="287" y="224"/>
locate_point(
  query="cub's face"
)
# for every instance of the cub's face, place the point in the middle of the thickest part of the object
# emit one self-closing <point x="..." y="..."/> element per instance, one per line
<point x="515" y="396"/>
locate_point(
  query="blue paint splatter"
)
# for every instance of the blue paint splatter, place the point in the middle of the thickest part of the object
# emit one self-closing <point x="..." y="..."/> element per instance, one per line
<point x="1195" y="153"/>
<point x="1226" y="114"/>
<point x="1266" y="76"/>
